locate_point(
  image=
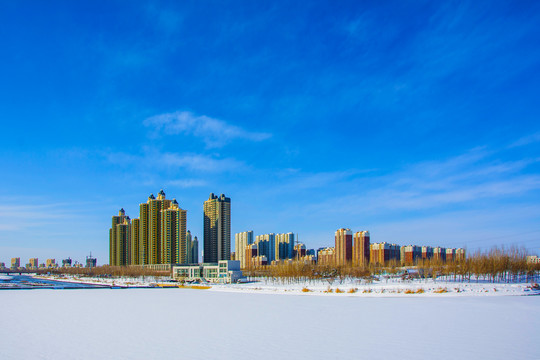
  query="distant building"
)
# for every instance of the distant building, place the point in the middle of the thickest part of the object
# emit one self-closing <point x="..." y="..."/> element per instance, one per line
<point x="51" y="263"/>
<point x="439" y="254"/>
<point x="533" y="259"/>
<point x="460" y="254"/>
<point x="91" y="262"/>
<point x="217" y="228"/>
<point x="34" y="263"/>
<point x="258" y="261"/>
<point x="195" y="251"/>
<point x="66" y="262"/>
<point x="410" y="254"/>
<point x="299" y="251"/>
<point x="2" y="265"/>
<point x="450" y="255"/>
<point x="343" y="246"/>
<point x="192" y="249"/>
<point x="360" y="254"/>
<point x="241" y="240"/>
<point x="15" y="263"/>
<point x="266" y="246"/>
<point x="284" y="246"/>
<point x="250" y="252"/>
<point x="381" y="253"/>
<point x="427" y="252"/>
<point x="326" y="256"/>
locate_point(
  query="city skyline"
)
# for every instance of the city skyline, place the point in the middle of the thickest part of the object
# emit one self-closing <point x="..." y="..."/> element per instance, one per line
<point x="418" y="122"/>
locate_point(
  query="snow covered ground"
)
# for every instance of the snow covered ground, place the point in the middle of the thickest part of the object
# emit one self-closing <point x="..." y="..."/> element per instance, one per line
<point x="216" y="324"/>
<point x="383" y="287"/>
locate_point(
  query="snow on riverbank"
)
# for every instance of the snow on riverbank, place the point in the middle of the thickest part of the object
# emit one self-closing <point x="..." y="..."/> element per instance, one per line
<point x="188" y="324"/>
<point x="387" y="287"/>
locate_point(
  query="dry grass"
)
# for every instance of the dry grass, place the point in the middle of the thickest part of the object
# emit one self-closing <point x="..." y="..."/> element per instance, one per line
<point x="199" y="287"/>
<point x="339" y="291"/>
<point x="440" y="290"/>
<point x="352" y="290"/>
<point x="305" y="289"/>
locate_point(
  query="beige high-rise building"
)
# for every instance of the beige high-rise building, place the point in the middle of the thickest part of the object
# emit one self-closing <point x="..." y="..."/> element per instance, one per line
<point x="50" y="263"/>
<point x="217" y="228"/>
<point x="284" y="244"/>
<point x="343" y="255"/>
<point x="174" y="247"/>
<point x="134" y="238"/>
<point x="360" y="254"/>
<point x="122" y="242"/>
<point x="113" y="246"/>
<point x="143" y="231"/>
<point x="158" y="236"/>
<point x="156" y="206"/>
<point x="241" y="240"/>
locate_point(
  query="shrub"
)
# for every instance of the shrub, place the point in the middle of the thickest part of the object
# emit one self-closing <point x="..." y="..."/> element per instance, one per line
<point x="440" y="290"/>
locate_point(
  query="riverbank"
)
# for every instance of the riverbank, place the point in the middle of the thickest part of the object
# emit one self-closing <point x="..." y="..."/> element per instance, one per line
<point x="383" y="287"/>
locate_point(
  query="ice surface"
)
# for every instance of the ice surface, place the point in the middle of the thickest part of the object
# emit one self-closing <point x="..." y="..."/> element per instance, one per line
<point x="209" y="324"/>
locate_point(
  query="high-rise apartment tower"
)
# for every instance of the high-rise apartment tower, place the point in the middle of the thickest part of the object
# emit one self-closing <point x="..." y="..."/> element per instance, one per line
<point x="217" y="228"/>
<point x="343" y="246"/>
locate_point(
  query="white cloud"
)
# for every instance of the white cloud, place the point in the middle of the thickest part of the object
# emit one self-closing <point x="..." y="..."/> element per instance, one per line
<point x="187" y="183"/>
<point x="526" y="140"/>
<point x="214" y="132"/>
<point x="153" y="158"/>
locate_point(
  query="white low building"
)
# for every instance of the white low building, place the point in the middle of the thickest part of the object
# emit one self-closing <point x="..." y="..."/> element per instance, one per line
<point x="224" y="272"/>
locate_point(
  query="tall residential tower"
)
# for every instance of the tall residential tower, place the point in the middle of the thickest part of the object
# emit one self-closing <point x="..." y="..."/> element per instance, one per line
<point x="217" y="228"/>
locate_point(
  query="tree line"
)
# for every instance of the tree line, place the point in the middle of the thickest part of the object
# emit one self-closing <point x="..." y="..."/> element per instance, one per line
<point x="498" y="264"/>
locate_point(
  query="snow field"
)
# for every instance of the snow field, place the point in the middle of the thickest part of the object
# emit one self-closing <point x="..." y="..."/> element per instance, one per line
<point x="207" y="324"/>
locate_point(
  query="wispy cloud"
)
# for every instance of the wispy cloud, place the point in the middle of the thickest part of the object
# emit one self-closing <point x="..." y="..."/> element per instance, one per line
<point x="526" y="140"/>
<point x="214" y="132"/>
<point x="153" y="158"/>
<point x="187" y="183"/>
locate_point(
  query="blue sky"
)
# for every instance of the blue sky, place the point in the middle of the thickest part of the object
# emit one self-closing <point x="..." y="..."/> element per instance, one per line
<point x="418" y="121"/>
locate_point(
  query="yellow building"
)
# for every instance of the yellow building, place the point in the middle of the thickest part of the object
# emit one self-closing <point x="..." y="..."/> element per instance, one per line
<point x="360" y="251"/>
<point x="50" y="263"/>
<point x="174" y="235"/>
<point x="158" y="236"/>
<point x="143" y="231"/>
<point x="156" y="206"/>
<point x="113" y="246"/>
<point x="134" y="242"/>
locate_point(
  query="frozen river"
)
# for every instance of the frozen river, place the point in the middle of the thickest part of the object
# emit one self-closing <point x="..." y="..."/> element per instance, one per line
<point x="202" y="324"/>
